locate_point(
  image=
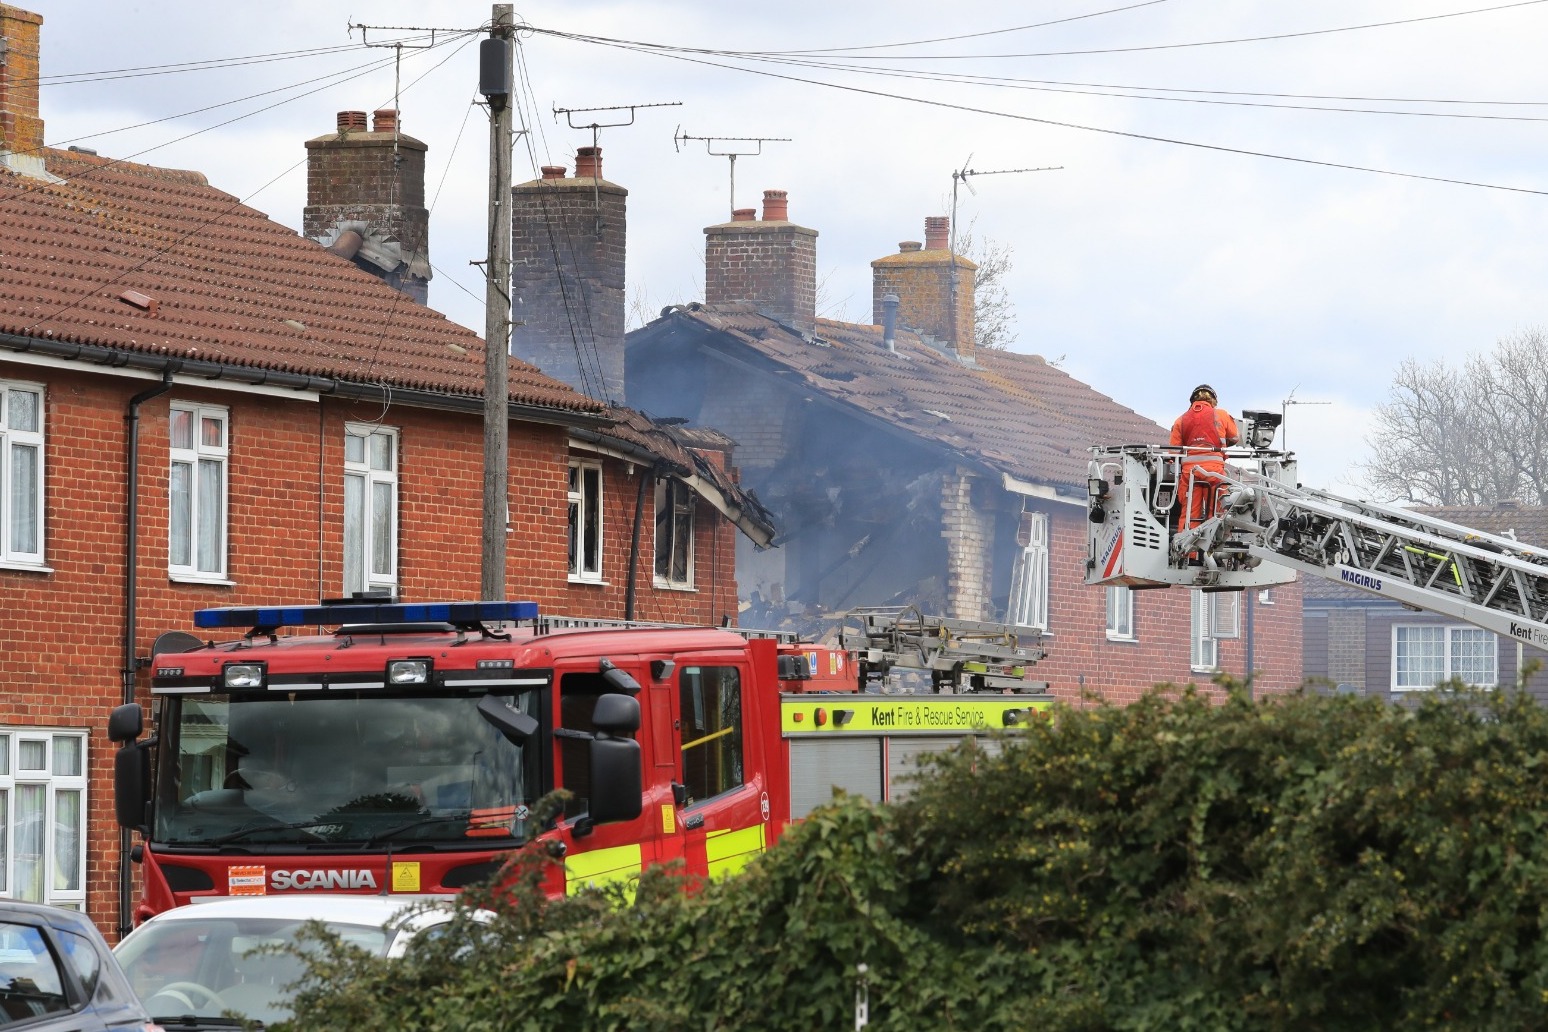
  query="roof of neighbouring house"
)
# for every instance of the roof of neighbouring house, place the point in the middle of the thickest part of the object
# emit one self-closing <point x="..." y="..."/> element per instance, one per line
<point x="134" y="259"/>
<point x="139" y="259"/>
<point x="1013" y="413"/>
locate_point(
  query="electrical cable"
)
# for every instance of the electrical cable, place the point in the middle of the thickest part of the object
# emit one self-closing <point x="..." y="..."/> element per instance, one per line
<point x="715" y="52"/>
<point x="971" y="109"/>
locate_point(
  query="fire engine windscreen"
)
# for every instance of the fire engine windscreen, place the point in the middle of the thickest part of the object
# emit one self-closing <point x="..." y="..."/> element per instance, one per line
<point x="360" y="768"/>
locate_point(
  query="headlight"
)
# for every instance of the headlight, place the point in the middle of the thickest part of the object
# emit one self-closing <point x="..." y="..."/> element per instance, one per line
<point x="408" y="671"/>
<point x="244" y="675"/>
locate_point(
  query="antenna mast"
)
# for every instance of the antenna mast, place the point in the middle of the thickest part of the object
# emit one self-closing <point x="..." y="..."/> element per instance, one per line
<point x="961" y="176"/>
<point x="597" y="126"/>
<point x="709" y="146"/>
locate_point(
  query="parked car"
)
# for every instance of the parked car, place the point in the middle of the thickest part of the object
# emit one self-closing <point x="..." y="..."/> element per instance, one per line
<point x="57" y="974"/>
<point x="193" y="965"/>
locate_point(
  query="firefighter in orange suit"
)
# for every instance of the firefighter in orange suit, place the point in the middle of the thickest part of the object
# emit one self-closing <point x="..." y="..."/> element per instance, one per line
<point x="1205" y="431"/>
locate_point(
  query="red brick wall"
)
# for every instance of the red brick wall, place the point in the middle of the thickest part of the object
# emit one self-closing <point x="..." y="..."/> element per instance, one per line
<point x="63" y="629"/>
<point x="1082" y="660"/>
<point x="770" y="264"/>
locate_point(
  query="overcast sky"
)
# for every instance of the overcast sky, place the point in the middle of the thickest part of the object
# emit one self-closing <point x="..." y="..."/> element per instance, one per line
<point x="1168" y="249"/>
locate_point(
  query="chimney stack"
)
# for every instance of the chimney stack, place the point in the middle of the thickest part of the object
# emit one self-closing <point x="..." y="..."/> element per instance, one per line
<point x="371" y="183"/>
<point x="568" y="238"/>
<point x="21" y="128"/>
<point x="926" y="280"/>
<point x="771" y="264"/>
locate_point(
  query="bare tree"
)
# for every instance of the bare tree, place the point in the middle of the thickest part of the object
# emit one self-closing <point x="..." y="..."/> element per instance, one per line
<point x="994" y="315"/>
<point x="1469" y="436"/>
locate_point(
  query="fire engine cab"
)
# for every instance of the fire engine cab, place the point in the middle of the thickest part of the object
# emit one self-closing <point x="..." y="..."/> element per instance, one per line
<point x="385" y="747"/>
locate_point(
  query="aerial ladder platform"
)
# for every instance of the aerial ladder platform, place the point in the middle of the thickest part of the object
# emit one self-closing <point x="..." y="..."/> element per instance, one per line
<point x="1264" y="527"/>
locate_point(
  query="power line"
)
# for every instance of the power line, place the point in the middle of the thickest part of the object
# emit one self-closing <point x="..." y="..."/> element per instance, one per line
<point x="977" y="35"/>
<point x="1007" y="82"/>
<point x="970" y="109"/>
<point x="1130" y="50"/>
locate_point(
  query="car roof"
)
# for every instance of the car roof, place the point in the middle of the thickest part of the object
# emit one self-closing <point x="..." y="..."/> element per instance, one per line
<point x="44" y="913"/>
<point x="374" y="911"/>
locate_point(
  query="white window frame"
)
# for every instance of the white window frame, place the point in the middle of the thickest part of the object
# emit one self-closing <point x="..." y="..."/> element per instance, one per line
<point x="199" y="459"/>
<point x="1028" y="603"/>
<point x="1266" y="596"/>
<point x="1203" y="648"/>
<point x="1225" y="614"/>
<point x="1450" y="638"/>
<point x="60" y="886"/>
<point x="675" y="515"/>
<point x="1120" y="613"/>
<point x="369" y="480"/>
<point x="585" y="507"/>
<point x="21" y="545"/>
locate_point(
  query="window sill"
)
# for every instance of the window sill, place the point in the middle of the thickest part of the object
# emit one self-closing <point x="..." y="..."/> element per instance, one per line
<point x="662" y="585"/>
<point x="26" y="568"/>
<point x="209" y="582"/>
<point x="596" y="582"/>
<point x="1124" y="638"/>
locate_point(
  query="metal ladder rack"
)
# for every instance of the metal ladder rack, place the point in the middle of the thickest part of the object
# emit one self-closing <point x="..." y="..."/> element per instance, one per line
<point x="959" y="654"/>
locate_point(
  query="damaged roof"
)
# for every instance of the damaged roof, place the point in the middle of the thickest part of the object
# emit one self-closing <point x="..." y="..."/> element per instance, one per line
<point x="1013" y="413"/>
<point x="156" y="262"/>
<point x="676" y="451"/>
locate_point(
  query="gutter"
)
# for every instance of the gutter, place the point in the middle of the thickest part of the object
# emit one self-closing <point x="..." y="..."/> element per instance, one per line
<point x="189" y="370"/>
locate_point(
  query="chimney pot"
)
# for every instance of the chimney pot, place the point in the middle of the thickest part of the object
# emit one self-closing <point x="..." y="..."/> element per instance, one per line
<point x="776" y="206"/>
<point x="744" y="215"/>
<point x="352" y="121"/>
<point x="937" y="233"/>
<point x="905" y="246"/>
<point x="386" y="120"/>
<point x="588" y="163"/>
<point x="553" y="171"/>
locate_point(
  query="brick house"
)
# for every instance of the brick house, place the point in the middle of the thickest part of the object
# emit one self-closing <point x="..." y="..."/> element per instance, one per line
<point x="198" y="407"/>
<point x="902" y="466"/>
<point x="1357" y="642"/>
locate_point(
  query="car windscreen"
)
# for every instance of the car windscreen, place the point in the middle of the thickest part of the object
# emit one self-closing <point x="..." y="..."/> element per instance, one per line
<point x="209" y="967"/>
<point x="276" y="769"/>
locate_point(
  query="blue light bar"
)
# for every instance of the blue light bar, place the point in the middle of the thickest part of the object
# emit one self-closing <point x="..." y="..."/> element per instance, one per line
<point x="458" y="614"/>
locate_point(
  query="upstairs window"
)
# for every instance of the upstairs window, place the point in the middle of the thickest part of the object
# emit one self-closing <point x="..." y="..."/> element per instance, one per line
<point x="197" y="492"/>
<point x="1028" y="605"/>
<point x="21" y="473"/>
<point x="674" y="534"/>
<point x="585" y="521"/>
<point x="370" y="509"/>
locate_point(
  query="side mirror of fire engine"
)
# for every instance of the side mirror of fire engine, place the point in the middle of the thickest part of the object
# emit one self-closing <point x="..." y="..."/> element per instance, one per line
<point x="516" y="726"/>
<point x="131" y="766"/>
<point x="126" y="722"/>
<point x="616" y="770"/>
<point x="131" y="785"/>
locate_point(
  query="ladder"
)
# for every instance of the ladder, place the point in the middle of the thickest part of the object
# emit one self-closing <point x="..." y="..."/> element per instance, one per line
<point x="960" y="655"/>
<point x="1494" y="582"/>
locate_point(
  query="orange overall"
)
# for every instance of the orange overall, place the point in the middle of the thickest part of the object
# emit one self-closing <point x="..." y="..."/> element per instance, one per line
<point x="1205" y="431"/>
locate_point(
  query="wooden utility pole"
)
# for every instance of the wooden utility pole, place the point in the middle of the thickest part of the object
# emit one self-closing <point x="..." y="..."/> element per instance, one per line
<point x="496" y="78"/>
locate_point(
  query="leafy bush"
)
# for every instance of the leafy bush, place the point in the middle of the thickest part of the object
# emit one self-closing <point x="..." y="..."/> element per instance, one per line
<point x="1306" y="862"/>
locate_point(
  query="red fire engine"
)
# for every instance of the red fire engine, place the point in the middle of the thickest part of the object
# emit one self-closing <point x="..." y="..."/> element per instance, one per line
<point x="404" y="752"/>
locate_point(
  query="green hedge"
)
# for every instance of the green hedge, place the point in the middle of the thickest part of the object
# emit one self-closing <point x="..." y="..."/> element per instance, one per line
<point x="1301" y="863"/>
